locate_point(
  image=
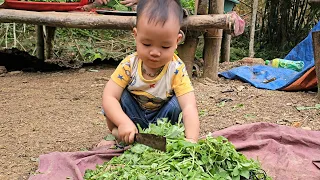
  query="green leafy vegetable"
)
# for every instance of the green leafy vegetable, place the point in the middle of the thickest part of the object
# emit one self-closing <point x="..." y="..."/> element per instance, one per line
<point x="116" y="5"/>
<point x="210" y="158"/>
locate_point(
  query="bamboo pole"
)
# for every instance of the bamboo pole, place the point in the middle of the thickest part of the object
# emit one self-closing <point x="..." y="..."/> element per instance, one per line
<point x="316" y="52"/>
<point x="95" y="21"/>
<point x="40" y="42"/>
<point x="212" y="43"/>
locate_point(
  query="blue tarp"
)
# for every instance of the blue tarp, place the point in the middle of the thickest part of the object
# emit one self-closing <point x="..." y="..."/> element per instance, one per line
<point x="259" y="74"/>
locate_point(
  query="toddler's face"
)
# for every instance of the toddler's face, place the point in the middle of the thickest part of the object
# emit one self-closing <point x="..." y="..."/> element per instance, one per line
<point x="156" y="43"/>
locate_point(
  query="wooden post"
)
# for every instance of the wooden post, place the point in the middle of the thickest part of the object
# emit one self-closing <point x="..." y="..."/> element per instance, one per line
<point x="225" y="47"/>
<point x="202" y="7"/>
<point x="40" y="42"/>
<point x="253" y="27"/>
<point x="196" y="5"/>
<point x="212" y="43"/>
<point x="50" y="31"/>
<point x="316" y="53"/>
<point x="187" y="50"/>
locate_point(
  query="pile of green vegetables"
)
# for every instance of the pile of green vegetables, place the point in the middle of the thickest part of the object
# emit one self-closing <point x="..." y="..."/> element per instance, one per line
<point x="116" y="5"/>
<point x="210" y="158"/>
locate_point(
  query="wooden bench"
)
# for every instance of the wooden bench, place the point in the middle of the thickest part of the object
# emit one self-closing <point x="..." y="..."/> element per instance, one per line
<point x="211" y="24"/>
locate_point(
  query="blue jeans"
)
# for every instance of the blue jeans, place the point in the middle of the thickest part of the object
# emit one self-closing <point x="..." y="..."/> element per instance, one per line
<point x="130" y="106"/>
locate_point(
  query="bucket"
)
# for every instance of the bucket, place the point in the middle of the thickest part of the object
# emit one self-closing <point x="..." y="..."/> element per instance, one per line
<point x="229" y="4"/>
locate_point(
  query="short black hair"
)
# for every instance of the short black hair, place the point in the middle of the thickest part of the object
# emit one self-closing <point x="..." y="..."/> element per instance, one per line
<point x="158" y="10"/>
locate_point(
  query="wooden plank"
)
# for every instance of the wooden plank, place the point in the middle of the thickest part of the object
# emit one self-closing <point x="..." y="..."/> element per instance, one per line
<point x="86" y="20"/>
<point x="316" y="53"/>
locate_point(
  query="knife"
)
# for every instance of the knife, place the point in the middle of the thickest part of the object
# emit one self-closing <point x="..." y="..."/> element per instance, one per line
<point x="151" y="140"/>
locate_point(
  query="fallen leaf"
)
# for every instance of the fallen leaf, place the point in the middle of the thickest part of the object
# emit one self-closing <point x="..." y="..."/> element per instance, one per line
<point x="15" y="72"/>
<point x="240" y="88"/>
<point x="240" y="122"/>
<point x="227" y="90"/>
<point x="34" y="159"/>
<point x="97" y="85"/>
<point x="283" y="122"/>
<point x="296" y="124"/>
<point x="306" y="128"/>
<point x="93" y="70"/>
<point x="102" y="79"/>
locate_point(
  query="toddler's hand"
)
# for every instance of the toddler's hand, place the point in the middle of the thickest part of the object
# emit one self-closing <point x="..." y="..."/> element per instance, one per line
<point x="129" y="2"/>
<point x="126" y="132"/>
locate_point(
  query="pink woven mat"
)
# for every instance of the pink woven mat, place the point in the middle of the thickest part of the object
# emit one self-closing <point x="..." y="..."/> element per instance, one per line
<point x="285" y="153"/>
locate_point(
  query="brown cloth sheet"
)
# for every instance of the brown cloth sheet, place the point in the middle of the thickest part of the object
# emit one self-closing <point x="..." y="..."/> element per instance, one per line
<point x="286" y="153"/>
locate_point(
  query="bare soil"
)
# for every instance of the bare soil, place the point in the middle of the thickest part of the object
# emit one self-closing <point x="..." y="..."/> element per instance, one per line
<point x="60" y="111"/>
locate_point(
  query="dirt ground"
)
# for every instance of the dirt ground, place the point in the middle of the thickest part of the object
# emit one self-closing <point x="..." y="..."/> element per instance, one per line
<point x="60" y="111"/>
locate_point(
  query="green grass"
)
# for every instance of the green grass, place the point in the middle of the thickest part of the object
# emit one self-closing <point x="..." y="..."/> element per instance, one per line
<point x="1" y="1"/>
<point x="78" y="44"/>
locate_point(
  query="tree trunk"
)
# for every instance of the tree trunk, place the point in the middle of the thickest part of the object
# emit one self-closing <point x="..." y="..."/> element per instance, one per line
<point x="253" y="27"/>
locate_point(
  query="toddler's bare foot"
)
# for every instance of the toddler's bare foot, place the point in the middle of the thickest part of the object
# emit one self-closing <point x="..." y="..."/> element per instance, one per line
<point x="106" y="143"/>
<point x="103" y="144"/>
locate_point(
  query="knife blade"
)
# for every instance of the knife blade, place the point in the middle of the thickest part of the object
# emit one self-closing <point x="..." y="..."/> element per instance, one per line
<point x="152" y="140"/>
